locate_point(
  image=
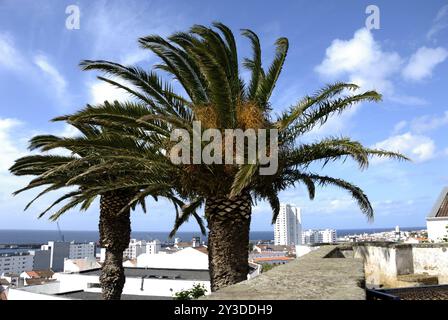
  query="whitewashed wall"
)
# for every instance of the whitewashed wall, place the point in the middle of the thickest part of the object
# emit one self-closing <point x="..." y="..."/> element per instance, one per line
<point x="437" y="229"/>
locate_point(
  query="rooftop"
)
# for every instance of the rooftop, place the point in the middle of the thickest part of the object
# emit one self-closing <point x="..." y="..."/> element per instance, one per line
<point x="159" y="273"/>
<point x="40" y="273"/>
<point x="440" y="209"/>
<point x="85" y="295"/>
<point x="261" y="259"/>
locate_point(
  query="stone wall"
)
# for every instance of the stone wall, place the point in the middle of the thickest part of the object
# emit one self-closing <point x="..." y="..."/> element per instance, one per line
<point x="322" y="274"/>
<point x="388" y="264"/>
<point x="432" y="260"/>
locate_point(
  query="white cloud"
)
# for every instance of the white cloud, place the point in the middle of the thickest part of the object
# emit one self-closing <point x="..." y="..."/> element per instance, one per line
<point x="32" y="68"/>
<point x="57" y="80"/>
<point x="337" y="205"/>
<point x="422" y="63"/>
<point x="336" y="125"/>
<point x="9" y="56"/>
<point x="135" y="57"/>
<point x="440" y="22"/>
<point x="69" y="131"/>
<point x="418" y="147"/>
<point x="9" y="147"/>
<point x="429" y="122"/>
<point x="101" y="91"/>
<point x="408" y="100"/>
<point x="399" y="126"/>
<point x="362" y="60"/>
<point x="116" y="27"/>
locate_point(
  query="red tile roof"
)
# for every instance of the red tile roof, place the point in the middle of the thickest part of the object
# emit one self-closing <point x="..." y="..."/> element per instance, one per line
<point x="273" y="259"/>
<point x="40" y="273"/>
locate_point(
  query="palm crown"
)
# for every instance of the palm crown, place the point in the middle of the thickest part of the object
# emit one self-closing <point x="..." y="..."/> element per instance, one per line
<point x="205" y="63"/>
<point x="83" y="171"/>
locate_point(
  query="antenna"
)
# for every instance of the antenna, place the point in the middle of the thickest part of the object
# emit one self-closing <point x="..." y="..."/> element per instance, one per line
<point x="60" y="233"/>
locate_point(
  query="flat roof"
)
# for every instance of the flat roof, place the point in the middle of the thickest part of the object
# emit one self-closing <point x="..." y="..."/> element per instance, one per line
<point x="85" y="295"/>
<point x="159" y="273"/>
<point x="273" y="259"/>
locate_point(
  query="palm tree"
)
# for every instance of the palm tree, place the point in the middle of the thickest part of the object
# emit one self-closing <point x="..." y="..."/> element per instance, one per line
<point x="204" y="63"/>
<point x="80" y="170"/>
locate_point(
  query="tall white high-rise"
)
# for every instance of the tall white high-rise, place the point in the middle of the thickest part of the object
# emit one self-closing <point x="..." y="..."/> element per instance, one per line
<point x="288" y="226"/>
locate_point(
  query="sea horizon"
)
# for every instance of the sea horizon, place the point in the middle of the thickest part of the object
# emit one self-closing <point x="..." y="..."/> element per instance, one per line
<point x="40" y="236"/>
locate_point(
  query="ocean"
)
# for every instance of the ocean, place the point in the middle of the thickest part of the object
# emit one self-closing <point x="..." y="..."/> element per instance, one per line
<point x="43" y="236"/>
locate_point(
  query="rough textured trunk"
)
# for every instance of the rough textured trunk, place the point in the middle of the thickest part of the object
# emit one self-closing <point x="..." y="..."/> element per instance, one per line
<point x="115" y="233"/>
<point x="228" y="239"/>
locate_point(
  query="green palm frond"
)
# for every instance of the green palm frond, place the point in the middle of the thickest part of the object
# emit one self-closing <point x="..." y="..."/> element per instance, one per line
<point x="269" y="80"/>
<point x="187" y="211"/>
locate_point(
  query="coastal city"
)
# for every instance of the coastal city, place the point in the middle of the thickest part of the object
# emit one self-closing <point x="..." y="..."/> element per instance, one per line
<point x="160" y="270"/>
<point x="250" y="156"/>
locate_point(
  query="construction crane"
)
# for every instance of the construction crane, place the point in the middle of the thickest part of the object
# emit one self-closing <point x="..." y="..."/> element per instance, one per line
<point x="60" y="233"/>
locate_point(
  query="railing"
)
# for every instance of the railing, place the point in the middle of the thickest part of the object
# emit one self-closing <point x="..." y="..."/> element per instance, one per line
<point x="372" y="294"/>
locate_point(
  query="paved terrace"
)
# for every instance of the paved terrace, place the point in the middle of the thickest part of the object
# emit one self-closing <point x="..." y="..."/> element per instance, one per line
<point x="328" y="273"/>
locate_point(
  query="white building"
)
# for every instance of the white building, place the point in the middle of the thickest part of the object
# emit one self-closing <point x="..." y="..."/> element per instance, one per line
<point x="59" y="251"/>
<point x="310" y="236"/>
<point x="16" y="263"/>
<point x="288" y="226"/>
<point x="327" y="236"/>
<point x="188" y="258"/>
<point x="41" y="259"/>
<point x="138" y="247"/>
<point x="319" y="236"/>
<point x="140" y="282"/>
<point x="437" y="220"/>
<point x="153" y="247"/>
<point x="82" y="250"/>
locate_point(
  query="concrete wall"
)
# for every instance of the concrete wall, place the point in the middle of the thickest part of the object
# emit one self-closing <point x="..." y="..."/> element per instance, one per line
<point x="187" y="258"/>
<point x="437" y="229"/>
<point x="58" y="252"/>
<point x="302" y="250"/>
<point x="432" y="260"/>
<point x="379" y="263"/>
<point x="41" y="259"/>
<point x="132" y="286"/>
<point x="17" y="294"/>
<point x="384" y="263"/>
<point x="76" y="282"/>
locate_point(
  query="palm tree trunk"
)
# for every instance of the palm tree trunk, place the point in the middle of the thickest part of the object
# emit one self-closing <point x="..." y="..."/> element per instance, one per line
<point x="115" y="234"/>
<point x="228" y="239"/>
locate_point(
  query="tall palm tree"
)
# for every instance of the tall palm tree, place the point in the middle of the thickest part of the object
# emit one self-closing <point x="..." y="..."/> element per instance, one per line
<point x="83" y="170"/>
<point x="204" y="62"/>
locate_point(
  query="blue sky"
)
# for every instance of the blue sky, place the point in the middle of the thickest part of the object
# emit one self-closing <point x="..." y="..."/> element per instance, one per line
<point x="406" y="60"/>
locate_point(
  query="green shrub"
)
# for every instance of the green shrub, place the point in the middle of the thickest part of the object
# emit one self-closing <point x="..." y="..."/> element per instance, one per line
<point x="198" y="290"/>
